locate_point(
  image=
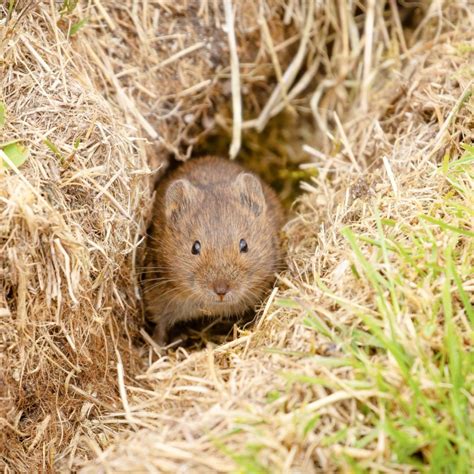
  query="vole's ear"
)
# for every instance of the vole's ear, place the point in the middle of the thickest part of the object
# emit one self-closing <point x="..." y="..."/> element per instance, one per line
<point x="179" y="195"/>
<point x="251" y="192"/>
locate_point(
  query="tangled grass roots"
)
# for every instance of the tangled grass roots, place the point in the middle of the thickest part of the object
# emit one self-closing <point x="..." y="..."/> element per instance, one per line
<point x="359" y="357"/>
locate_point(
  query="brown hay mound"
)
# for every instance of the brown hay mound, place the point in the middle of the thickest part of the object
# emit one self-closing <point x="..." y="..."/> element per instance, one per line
<point x="70" y="222"/>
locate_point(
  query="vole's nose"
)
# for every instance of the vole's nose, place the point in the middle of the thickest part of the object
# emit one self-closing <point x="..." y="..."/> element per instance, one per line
<point x="221" y="288"/>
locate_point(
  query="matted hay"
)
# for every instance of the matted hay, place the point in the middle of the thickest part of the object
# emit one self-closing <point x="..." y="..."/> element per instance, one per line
<point x="74" y="380"/>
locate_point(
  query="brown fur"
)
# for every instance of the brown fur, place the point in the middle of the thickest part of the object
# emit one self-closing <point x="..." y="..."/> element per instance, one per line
<point x="218" y="203"/>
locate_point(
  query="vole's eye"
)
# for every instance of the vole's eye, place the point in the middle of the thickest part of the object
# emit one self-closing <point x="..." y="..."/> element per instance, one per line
<point x="244" y="248"/>
<point x="196" y="249"/>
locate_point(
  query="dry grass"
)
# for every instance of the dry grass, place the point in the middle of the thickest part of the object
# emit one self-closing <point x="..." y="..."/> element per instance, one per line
<point x="360" y="358"/>
<point x="69" y="223"/>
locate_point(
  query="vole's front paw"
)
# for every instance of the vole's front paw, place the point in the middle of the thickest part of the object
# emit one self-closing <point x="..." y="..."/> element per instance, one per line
<point x="160" y="334"/>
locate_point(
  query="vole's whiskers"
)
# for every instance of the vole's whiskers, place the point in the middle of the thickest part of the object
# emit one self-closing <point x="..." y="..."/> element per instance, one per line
<point x="147" y="277"/>
<point x="179" y="294"/>
<point x="156" y="285"/>
<point x="150" y="268"/>
<point x="155" y="282"/>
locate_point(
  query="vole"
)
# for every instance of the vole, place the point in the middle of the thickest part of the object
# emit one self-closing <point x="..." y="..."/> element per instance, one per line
<point x="214" y="243"/>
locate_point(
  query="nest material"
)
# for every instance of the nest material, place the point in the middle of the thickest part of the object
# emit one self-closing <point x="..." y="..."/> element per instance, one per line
<point x="148" y="78"/>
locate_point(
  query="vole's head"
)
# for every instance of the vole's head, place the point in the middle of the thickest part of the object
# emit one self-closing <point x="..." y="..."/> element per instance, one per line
<point x="220" y="245"/>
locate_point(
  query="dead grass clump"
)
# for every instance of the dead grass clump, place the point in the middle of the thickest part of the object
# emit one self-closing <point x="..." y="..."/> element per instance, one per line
<point x="69" y="224"/>
<point x="166" y="64"/>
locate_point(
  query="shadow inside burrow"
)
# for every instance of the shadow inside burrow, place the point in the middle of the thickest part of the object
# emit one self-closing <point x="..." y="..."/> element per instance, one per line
<point x="198" y="333"/>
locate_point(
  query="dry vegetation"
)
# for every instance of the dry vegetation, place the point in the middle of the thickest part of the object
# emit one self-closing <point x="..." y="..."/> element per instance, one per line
<point x="361" y="357"/>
